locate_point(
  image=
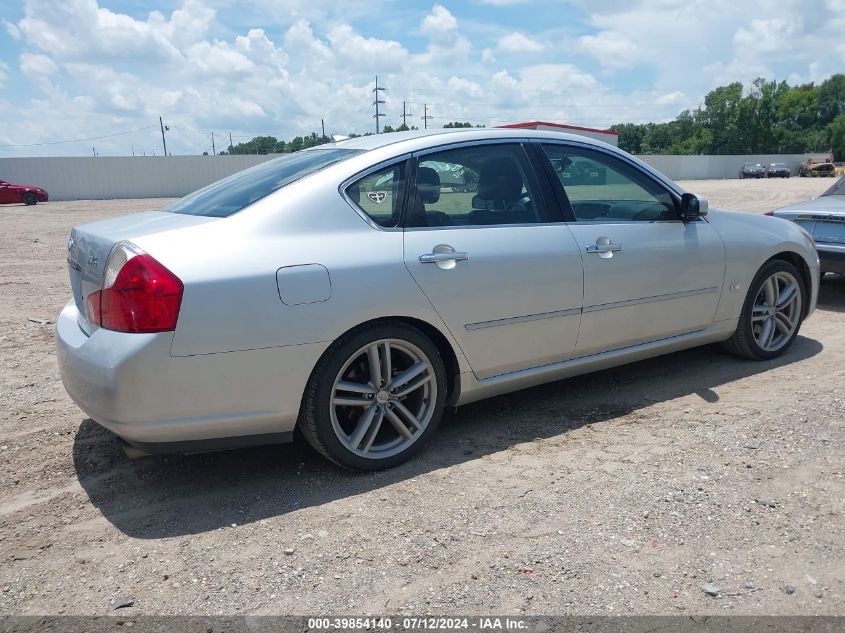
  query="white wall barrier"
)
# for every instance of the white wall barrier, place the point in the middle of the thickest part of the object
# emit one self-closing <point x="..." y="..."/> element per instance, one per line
<point x="110" y="177"/>
<point x="708" y="167"/>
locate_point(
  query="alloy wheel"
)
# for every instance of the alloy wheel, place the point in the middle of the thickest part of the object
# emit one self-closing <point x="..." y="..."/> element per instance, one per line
<point x="383" y="398"/>
<point x="776" y="313"/>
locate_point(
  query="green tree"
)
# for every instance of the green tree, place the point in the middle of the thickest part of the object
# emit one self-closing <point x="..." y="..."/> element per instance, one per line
<point x="836" y="131"/>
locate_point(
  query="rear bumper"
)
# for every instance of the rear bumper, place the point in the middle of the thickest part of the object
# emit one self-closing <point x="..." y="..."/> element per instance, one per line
<point x="131" y="385"/>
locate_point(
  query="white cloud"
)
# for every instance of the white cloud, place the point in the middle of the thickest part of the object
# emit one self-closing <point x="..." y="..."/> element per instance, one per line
<point x="611" y="49"/>
<point x="519" y="43"/>
<point x="439" y="23"/>
<point x="487" y="55"/>
<point x="671" y="98"/>
<point x="12" y="29"/>
<point x="386" y="55"/>
<point x="218" y="59"/>
<point x="766" y="35"/>
<point x="37" y="65"/>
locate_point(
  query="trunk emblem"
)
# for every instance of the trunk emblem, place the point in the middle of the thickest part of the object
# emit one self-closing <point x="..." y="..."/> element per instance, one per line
<point x="92" y="261"/>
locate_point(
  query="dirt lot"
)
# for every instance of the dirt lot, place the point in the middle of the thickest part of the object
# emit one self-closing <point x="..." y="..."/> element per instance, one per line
<point x="618" y="492"/>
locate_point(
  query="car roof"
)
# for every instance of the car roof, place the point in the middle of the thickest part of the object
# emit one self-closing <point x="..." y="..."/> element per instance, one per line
<point x="421" y="139"/>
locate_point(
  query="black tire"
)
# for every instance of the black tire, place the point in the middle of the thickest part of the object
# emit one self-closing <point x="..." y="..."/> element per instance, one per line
<point x="315" y="420"/>
<point x="29" y="198"/>
<point x="743" y="343"/>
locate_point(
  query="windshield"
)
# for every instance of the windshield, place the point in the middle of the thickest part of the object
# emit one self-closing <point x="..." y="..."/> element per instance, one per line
<point x="225" y="197"/>
<point x="838" y="188"/>
<point x="778" y="165"/>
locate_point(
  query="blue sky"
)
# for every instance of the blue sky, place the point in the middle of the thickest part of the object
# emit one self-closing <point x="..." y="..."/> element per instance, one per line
<point x="76" y="69"/>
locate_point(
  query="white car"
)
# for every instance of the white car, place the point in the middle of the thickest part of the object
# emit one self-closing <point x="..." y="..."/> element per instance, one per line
<point x="352" y="292"/>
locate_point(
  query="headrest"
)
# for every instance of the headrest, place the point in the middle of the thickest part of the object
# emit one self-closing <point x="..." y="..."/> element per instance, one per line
<point x="500" y="179"/>
<point x="428" y="185"/>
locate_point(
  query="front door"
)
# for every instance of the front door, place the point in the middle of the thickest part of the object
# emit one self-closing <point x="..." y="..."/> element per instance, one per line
<point x="506" y="281"/>
<point x="647" y="274"/>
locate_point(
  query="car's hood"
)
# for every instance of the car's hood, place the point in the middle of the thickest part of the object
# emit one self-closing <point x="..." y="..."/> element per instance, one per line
<point x="830" y="205"/>
<point x="27" y="187"/>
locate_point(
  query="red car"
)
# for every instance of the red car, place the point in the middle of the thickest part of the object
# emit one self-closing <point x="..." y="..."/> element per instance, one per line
<point x="27" y="194"/>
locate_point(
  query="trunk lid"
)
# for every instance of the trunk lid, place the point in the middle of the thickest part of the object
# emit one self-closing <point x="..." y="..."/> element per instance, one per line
<point x="90" y="244"/>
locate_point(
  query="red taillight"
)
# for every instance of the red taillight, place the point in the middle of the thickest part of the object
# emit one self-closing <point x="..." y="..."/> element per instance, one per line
<point x="140" y="296"/>
<point x="770" y="213"/>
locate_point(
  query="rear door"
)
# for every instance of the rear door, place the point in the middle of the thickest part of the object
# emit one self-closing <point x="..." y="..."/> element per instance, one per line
<point x="647" y="274"/>
<point x="505" y="276"/>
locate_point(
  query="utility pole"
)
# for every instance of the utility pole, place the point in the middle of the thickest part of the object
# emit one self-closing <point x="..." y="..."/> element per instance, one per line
<point x="163" y="128"/>
<point x="404" y="114"/>
<point x="94" y="152"/>
<point x="230" y="143"/>
<point x="323" y="125"/>
<point x="213" y="150"/>
<point x="376" y="103"/>
<point x="425" y="117"/>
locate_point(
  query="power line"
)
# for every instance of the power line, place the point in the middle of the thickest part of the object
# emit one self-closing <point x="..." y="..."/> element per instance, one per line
<point x="80" y="140"/>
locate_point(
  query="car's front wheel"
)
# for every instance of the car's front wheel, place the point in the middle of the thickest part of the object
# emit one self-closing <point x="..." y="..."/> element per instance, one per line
<point x="29" y="198"/>
<point x="772" y="313"/>
<point x="375" y="397"/>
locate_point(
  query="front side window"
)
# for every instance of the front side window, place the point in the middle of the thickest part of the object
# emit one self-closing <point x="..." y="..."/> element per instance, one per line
<point x="225" y="197"/>
<point x="601" y="188"/>
<point x="475" y="186"/>
<point x="380" y="194"/>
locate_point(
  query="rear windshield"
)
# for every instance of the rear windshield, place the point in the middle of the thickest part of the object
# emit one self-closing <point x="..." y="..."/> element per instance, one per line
<point x="225" y="197"/>
<point x="838" y="188"/>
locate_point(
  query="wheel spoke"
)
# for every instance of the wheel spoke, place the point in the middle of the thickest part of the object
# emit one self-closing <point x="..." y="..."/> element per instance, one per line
<point x="354" y="387"/>
<point x="770" y="333"/>
<point x="765" y="332"/>
<point x="344" y="401"/>
<point x="409" y="374"/>
<point x="787" y="295"/>
<point x="363" y="426"/>
<point x="413" y="386"/>
<point x="783" y="323"/>
<point x="386" y="366"/>
<point x="400" y="427"/>
<point x="376" y="427"/>
<point x="770" y="290"/>
<point x="375" y="365"/>
<point x="410" y="417"/>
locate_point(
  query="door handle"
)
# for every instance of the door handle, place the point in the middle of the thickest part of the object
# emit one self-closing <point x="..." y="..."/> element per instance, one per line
<point x="433" y="258"/>
<point x="604" y="248"/>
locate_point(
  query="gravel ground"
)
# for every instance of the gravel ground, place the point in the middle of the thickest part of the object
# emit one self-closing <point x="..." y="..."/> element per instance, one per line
<point x="631" y="491"/>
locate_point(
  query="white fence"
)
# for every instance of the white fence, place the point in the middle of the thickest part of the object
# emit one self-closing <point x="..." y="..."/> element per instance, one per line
<point x="104" y="178"/>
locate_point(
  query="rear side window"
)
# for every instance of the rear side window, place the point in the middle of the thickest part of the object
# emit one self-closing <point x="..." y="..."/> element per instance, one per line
<point x="380" y="194"/>
<point x="225" y="197"/>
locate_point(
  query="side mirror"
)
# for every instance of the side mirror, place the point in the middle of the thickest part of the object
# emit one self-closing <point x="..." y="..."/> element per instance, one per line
<point x="692" y="206"/>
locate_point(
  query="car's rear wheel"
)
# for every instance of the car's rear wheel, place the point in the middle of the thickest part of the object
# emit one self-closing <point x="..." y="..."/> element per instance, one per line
<point x="29" y="198"/>
<point x="375" y="397"/>
<point x="772" y="313"/>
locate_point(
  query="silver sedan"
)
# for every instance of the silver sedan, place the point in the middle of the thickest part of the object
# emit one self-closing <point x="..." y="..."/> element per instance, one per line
<point x="353" y="290"/>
